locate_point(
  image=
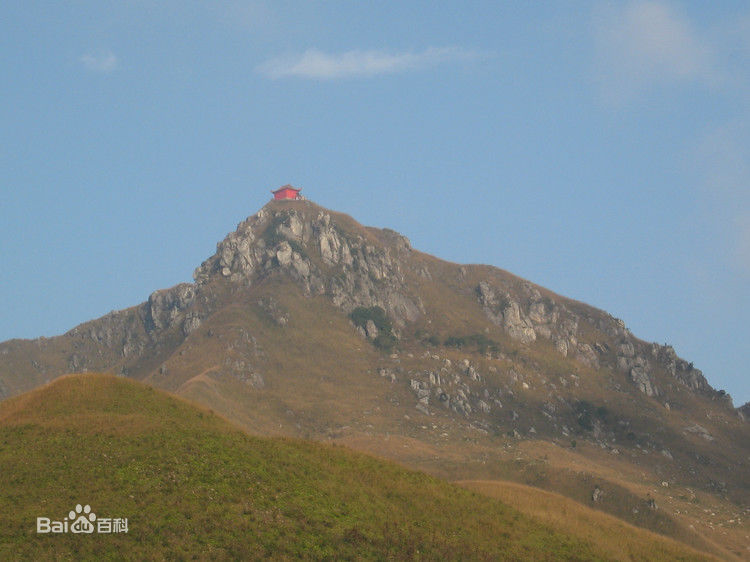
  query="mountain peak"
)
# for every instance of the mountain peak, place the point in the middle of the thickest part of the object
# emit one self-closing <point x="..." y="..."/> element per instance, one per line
<point x="324" y="251"/>
<point x="330" y="254"/>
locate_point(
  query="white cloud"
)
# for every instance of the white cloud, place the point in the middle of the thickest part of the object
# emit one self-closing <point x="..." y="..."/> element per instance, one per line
<point x="317" y="64"/>
<point x="101" y="61"/>
<point x="648" y="42"/>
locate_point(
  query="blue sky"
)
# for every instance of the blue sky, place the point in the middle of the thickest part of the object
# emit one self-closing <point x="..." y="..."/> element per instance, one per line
<point x="599" y="149"/>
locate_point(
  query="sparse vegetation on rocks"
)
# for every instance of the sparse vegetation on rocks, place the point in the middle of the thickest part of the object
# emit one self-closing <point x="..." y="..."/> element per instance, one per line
<point x="382" y="335"/>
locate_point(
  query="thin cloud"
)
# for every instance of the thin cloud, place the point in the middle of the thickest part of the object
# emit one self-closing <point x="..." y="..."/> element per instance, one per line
<point x="102" y="61"/>
<point x="319" y="65"/>
<point x="648" y="42"/>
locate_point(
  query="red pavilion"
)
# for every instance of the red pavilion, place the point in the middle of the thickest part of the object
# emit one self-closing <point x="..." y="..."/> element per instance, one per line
<point x="287" y="192"/>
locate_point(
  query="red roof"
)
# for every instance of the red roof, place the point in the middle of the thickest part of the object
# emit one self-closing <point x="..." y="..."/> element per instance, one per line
<point x="285" y="187"/>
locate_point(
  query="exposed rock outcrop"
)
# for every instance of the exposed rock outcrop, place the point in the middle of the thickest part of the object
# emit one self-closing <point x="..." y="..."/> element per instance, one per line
<point x="524" y="314"/>
<point x="167" y="307"/>
<point x="637" y="367"/>
<point x="321" y="256"/>
<point x="680" y="369"/>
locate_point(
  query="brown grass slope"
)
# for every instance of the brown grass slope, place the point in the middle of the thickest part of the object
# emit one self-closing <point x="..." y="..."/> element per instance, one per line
<point x="323" y="384"/>
<point x="624" y="541"/>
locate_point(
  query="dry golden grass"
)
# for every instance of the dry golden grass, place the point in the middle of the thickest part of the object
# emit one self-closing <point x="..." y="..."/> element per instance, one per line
<point x="616" y="539"/>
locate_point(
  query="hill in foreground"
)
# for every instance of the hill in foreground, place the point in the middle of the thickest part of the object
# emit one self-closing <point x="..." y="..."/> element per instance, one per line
<point x="190" y="484"/>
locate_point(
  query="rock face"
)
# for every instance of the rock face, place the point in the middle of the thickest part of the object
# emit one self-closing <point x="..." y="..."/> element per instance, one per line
<point x="505" y="311"/>
<point x="636" y="366"/>
<point x="168" y="307"/>
<point x="525" y="314"/>
<point x="324" y="259"/>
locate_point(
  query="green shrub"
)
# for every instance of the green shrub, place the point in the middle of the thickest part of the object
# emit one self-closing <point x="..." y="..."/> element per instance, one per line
<point x="455" y="341"/>
<point x="384" y="341"/>
<point x="360" y="316"/>
<point x="583" y="414"/>
<point x="480" y="342"/>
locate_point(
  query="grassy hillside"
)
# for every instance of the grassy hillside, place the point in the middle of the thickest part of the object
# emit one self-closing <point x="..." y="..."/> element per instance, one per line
<point x="191" y="485"/>
<point x="618" y="540"/>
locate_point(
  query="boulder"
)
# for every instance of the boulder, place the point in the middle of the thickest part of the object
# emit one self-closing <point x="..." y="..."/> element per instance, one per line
<point x="284" y="254"/>
<point x="371" y="330"/>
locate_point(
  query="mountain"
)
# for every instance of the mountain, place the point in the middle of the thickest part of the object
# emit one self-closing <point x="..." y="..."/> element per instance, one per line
<point x="190" y="484"/>
<point x="304" y="323"/>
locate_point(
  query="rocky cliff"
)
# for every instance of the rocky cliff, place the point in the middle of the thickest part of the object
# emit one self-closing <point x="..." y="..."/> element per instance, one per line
<point x="359" y="268"/>
<point x="351" y="267"/>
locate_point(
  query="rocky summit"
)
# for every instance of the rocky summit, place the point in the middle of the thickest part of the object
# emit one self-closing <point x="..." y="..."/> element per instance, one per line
<point x="306" y="323"/>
